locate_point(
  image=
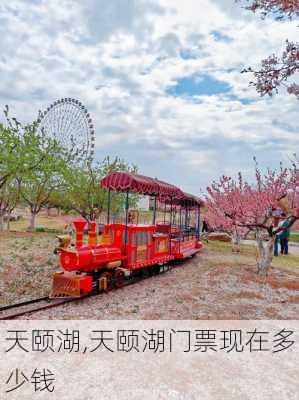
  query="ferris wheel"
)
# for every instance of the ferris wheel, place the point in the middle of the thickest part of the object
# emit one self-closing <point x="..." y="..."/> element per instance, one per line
<point x="68" y="121"/>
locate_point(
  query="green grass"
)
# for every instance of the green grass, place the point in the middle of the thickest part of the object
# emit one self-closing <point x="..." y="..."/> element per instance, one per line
<point x="290" y="262"/>
<point x="226" y="248"/>
<point x="248" y="252"/>
<point x="294" y="237"/>
<point x="47" y="230"/>
<point x="42" y="221"/>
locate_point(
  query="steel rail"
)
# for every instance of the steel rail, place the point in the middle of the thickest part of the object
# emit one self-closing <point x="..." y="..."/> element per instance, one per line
<point x="24" y="303"/>
<point x="51" y="304"/>
<point x="57" y="302"/>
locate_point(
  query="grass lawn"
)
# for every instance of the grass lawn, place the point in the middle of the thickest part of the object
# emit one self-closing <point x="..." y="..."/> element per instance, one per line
<point x="294" y="237"/>
<point x="54" y="223"/>
<point x="290" y="262"/>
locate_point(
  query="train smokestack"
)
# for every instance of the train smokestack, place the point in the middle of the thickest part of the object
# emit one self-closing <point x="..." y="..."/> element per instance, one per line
<point x="92" y="234"/>
<point x="79" y="225"/>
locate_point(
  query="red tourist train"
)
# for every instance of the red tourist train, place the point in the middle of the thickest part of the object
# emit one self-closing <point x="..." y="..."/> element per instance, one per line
<point x="128" y="249"/>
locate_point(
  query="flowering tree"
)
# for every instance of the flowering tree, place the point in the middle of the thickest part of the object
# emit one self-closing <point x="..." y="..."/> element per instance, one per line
<point x="276" y="70"/>
<point x="223" y="206"/>
<point x="251" y="206"/>
<point x="279" y="8"/>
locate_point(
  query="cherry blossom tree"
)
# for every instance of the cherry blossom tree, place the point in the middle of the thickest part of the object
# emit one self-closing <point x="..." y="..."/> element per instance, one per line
<point x="276" y="71"/>
<point x="252" y="206"/>
<point x="279" y="8"/>
<point x="223" y="200"/>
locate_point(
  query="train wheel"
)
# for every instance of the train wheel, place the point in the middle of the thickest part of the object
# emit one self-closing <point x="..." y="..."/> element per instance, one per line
<point x="148" y="272"/>
<point x="106" y="281"/>
<point x="119" y="277"/>
<point x="156" y="269"/>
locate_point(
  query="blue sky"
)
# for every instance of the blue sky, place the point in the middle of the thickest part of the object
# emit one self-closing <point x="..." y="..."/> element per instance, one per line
<point x="196" y="85"/>
<point x="161" y="79"/>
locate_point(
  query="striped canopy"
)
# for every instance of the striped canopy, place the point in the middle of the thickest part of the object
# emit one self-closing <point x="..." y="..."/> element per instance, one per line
<point x="135" y="183"/>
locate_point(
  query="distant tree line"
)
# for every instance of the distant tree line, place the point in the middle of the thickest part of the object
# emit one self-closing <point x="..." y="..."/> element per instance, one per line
<point x="38" y="173"/>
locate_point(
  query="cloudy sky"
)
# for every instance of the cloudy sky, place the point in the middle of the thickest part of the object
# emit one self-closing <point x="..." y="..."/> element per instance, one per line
<point x="161" y="79"/>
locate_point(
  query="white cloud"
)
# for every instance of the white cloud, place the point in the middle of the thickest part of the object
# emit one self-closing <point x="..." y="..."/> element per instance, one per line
<point x="120" y="57"/>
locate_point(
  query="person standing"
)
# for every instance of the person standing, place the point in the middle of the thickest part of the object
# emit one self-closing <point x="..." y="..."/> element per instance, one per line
<point x="205" y="227"/>
<point x="284" y="238"/>
<point x="276" y="213"/>
<point x="277" y="240"/>
<point x="284" y="235"/>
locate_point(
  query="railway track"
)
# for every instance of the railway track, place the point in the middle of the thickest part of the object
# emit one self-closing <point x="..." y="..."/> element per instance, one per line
<point x="44" y="303"/>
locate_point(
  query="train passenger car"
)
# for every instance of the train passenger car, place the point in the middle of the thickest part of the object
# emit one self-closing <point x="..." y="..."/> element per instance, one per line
<point x="127" y="249"/>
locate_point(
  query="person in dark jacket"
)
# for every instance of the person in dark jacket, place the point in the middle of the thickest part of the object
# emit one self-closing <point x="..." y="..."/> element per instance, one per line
<point x="205" y="226"/>
<point x="284" y="237"/>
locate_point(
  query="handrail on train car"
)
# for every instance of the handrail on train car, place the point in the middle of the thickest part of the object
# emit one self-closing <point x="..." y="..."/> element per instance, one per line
<point x="165" y="193"/>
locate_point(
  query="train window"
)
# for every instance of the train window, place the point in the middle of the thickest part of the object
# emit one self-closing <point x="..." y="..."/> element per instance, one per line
<point x="156" y="246"/>
<point x="133" y="239"/>
<point x="142" y="238"/>
<point x="144" y="234"/>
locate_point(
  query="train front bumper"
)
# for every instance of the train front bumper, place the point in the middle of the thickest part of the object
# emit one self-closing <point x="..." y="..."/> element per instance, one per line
<point x="66" y="284"/>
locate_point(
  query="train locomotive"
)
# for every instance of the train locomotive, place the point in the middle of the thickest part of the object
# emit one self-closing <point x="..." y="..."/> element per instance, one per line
<point x="128" y="249"/>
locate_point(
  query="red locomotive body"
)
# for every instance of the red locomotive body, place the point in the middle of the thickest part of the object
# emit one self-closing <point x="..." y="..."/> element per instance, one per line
<point x="124" y="249"/>
<point x="88" y="259"/>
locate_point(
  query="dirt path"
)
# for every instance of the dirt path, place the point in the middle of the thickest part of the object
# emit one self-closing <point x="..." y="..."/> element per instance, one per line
<point x="216" y="284"/>
<point x="210" y="286"/>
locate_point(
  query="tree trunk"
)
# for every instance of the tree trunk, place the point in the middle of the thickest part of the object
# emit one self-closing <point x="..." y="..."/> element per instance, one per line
<point x="32" y="221"/>
<point x="8" y="221"/>
<point x="1" y="222"/>
<point x="236" y="242"/>
<point x="265" y="254"/>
